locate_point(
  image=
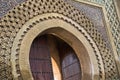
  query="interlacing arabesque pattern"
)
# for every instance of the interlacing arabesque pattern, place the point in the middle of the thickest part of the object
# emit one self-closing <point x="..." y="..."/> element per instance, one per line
<point x="13" y="21"/>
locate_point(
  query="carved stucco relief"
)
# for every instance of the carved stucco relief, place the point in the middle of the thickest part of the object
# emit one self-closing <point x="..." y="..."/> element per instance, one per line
<point x="12" y="23"/>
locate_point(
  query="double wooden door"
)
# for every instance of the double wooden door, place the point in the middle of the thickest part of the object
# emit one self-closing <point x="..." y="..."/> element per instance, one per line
<point x="41" y="66"/>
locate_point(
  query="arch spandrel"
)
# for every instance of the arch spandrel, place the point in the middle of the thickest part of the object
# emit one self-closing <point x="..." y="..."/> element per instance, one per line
<point x="13" y="22"/>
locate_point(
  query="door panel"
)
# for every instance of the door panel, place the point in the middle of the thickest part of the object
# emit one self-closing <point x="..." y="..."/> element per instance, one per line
<point x="40" y="61"/>
<point x="70" y="64"/>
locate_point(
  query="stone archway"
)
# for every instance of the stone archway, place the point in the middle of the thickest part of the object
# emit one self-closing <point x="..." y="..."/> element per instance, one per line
<point x="68" y="33"/>
<point x="34" y="17"/>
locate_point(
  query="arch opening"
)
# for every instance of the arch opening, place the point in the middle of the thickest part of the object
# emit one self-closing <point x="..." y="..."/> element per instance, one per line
<point x="65" y="31"/>
<point x="48" y="49"/>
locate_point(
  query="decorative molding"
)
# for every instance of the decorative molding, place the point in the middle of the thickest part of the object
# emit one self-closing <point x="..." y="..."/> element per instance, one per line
<point x="113" y="20"/>
<point x="53" y="16"/>
<point x="112" y="15"/>
<point x="12" y="23"/>
<point x="107" y="28"/>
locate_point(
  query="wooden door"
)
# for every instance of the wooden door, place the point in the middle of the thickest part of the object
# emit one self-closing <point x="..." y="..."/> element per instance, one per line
<point x="70" y="64"/>
<point x="40" y="60"/>
<point x="71" y="68"/>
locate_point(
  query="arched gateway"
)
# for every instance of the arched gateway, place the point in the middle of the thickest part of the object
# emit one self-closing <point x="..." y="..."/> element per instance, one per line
<point x="64" y="31"/>
<point x="51" y="40"/>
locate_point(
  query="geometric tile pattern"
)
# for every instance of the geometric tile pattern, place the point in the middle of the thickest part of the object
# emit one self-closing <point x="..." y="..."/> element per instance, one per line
<point x="6" y="5"/>
<point x="113" y="20"/>
<point x="8" y="30"/>
<point x="95" y="14"/>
